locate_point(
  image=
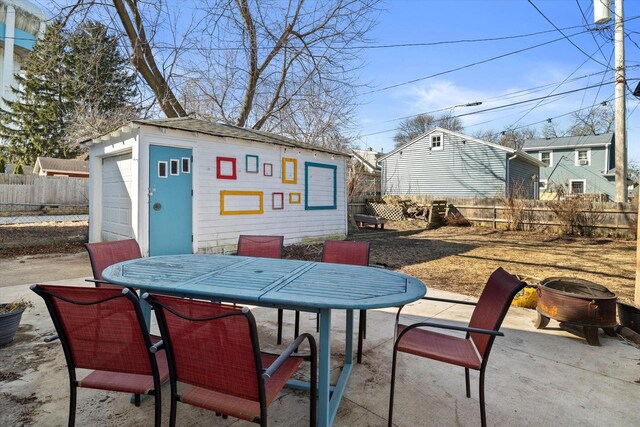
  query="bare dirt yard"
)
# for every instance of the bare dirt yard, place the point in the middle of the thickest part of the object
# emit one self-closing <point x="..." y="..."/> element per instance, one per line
<point x="460" y="259"/>
<point x="457" y="259"/>
<point x="42" y="238"/>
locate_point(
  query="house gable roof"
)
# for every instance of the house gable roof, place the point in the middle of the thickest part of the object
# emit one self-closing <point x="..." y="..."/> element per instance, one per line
<point x="568" y="142"/>
<point x="50" y="164"/>
<point x="518" y="153"/>
<point x="191" y="124"/>
<point x="367" y="158"/>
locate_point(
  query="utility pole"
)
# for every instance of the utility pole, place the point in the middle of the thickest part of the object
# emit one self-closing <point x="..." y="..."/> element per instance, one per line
<point x="601" y="10"/>
<point x="620" y="124"/>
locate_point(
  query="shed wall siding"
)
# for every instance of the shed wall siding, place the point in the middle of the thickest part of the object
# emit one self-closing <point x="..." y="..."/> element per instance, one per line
<point x="520" y="182"/>
<point x="214" y="232"/>
<point x="462" y="168"/>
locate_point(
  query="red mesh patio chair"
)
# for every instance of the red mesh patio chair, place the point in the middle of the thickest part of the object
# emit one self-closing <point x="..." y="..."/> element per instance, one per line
<point x="353" y="253"/>
<point x="104" y="254"/>
<point x="214" y="354"/>
<point x="265" y="247"/>
<point x="470" y="352"/>
<point x="103" y="329"/>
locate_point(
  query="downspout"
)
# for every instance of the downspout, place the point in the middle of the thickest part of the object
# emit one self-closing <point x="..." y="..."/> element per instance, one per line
<point x="507" y="183"/>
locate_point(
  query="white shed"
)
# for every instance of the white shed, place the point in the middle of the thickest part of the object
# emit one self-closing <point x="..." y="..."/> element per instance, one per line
<point x="187" y="185"/>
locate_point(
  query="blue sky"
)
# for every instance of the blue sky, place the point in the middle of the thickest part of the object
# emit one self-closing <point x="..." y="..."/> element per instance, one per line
<point x="554" y="68"/>
<point x="429" y="21"/>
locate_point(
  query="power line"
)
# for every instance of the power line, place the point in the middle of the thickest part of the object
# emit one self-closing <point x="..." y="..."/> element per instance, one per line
<point x="500" y="107"/>
<point x="467" y="65"/>
<point x="381" y="46"/>
<point x="564" y="35"/>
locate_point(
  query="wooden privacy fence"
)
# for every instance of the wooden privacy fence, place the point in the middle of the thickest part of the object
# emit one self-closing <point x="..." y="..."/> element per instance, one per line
<point x="34" y="191"/>
<point x="608" y="217"/>
<point x="613" y="218"/>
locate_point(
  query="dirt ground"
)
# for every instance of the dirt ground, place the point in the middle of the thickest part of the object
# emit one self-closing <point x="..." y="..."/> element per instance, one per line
<point x="457" y="259"/>
<point x="460" y="259"/>
<point x="42" y="238"/>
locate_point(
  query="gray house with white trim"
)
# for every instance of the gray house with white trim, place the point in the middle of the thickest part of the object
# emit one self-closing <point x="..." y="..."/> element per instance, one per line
<point x="444" y="163"/>
<point x="577" y="164"/>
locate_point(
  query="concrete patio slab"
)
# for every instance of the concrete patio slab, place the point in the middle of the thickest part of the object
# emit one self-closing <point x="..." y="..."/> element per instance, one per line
<point x="534" y="377"/>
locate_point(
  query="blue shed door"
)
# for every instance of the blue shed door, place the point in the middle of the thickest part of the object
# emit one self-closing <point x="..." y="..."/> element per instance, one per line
<point x="170" y="201"/>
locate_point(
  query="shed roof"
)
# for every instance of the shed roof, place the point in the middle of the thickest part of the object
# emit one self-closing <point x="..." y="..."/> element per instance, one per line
<point x="191" y="124"/>
<point x="568" y="142"/>
<point x="61" y="165"/>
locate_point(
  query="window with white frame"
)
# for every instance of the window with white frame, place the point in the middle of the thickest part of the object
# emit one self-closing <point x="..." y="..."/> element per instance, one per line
<point x="583" y="157"/>
<point x="577" y="186"/>
<point x="543" y="186"/>
<point x="436" y="141"/>
<point x="546" y="157"/>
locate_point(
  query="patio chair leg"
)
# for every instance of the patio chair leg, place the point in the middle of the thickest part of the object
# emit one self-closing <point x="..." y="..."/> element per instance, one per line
<point x="363" y="316"/>
<point x="280" y="313"/>
<point x="72" y="405"/>
<point x="483" y="414"/>
<point x="296" y="328"/>
<point x="174" y="408"/>
<point x="158" y="408"/>
<point x="468" y="383"/>
<point x="393" y="384"/>
<point x="361" y="329"/>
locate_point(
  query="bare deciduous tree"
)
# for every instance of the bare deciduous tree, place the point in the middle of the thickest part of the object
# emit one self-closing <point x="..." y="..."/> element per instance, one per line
<point x="594" y="121"/>
<point x="279" y="66"/>
<point x="272" y="65"/>
<point x="139" y="22"/>
<point x="413" y="127"/>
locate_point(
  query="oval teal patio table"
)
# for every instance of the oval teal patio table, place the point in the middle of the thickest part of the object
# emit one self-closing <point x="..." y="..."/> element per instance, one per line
<point x="289" y="284"/>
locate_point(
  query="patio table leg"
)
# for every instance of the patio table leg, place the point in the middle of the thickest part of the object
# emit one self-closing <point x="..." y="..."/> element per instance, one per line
<point x="324" y="367"/>
<point x="348" y="347"/>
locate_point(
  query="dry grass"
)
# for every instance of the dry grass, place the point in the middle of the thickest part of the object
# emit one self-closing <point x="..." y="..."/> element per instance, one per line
<point x="461" y="259"/>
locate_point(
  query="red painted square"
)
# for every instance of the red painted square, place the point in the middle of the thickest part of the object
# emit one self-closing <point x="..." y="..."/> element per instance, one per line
<point x="220" y="163"/>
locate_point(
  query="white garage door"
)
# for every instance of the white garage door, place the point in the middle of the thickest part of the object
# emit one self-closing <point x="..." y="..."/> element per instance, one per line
<point x="116" y="198"/>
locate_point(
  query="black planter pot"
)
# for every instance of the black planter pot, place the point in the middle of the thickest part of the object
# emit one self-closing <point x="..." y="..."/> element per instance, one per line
<point x="629" y="316"/>
<point x="9" y="323"/>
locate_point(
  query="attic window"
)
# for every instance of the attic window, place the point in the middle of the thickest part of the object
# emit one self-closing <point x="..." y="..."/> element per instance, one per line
<point x="436" y="141"/>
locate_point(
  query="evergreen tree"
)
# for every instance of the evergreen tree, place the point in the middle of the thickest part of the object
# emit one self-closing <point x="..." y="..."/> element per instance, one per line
<point x="105" y="83"/>
<point x="33" y="124"/>
<point x="72" y="80"/>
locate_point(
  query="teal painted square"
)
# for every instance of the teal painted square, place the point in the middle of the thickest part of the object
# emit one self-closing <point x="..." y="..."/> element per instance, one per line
<point x="308" y="165"/>
<point x="251" y="163"/>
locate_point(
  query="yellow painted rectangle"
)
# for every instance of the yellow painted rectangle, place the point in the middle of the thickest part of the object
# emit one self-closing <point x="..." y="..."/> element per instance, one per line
<point x="294" y="198"/>
<point x="289" y="170"/>
<point x="258" y="194"/>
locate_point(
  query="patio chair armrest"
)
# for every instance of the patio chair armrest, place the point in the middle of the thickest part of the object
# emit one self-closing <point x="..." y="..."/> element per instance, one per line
<point x="157" y="347"/>
<point x="268" y="372"/>
<point x="450" y="327"/>
<point x="96" y="281"/>
<point x="51" y="338"/>
<point x="454" y="301"/>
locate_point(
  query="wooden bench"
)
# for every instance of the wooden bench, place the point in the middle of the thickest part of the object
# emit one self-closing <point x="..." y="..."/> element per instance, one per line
<point x="362" y="219"/>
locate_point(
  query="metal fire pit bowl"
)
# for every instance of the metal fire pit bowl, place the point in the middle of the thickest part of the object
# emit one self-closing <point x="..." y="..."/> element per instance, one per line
<point x="578" y="305"/>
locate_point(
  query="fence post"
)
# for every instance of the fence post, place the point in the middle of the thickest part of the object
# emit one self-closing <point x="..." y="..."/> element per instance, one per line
<point x="494" y="216"/>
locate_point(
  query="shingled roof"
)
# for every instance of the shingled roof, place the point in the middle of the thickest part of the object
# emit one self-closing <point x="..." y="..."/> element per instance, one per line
<point x="568" y="142"/>
<point x="50" y="164"/>
<point x="191" y="124"/>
